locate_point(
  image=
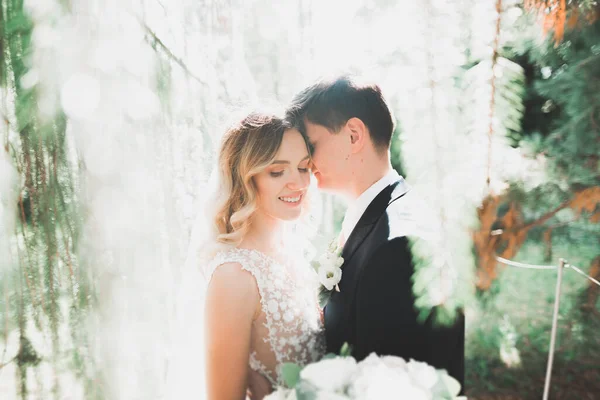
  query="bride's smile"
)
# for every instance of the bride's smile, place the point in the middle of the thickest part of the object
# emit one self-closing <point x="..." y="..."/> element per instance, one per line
<point x="292" y="200"/>
<point x="282" y="185"/>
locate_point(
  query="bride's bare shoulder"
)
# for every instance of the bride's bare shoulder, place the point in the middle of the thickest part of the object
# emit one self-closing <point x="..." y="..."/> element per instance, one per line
<point x="231" y="278"/>
<point x="234" y="288"/>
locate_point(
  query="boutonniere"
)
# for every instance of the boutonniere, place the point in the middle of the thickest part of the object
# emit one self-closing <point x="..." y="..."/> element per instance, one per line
<point x="329" y="271"/>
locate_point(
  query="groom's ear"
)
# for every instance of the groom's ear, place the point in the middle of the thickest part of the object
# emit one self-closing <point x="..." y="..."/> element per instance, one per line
<point x="358" y="133"/>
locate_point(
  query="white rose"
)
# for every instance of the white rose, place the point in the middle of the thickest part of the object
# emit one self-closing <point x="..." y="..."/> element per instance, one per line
<point x="329" y="276"/>
<point x="368" y="365"/>
<point x="330" y="375"/>
<point x="324" y="259"/>
<point x="378" y="381"/>
<point x="394" y="362"/>
<point x="422" y="374"/>
<point x="371" y="359"/>
<point x="447" y="385"/>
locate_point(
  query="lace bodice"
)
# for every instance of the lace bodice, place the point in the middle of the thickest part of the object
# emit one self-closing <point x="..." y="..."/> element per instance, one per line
<point x="289" y="327"/>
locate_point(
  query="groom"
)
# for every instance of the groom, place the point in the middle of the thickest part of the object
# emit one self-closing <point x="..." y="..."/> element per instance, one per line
<point x="349" y="127"/>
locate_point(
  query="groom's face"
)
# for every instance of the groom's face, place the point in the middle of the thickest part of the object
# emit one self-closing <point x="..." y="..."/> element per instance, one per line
<point x="330" y="155"/>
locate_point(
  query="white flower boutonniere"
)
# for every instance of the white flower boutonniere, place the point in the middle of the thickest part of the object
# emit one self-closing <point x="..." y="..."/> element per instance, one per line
<point x="329" y="271"/>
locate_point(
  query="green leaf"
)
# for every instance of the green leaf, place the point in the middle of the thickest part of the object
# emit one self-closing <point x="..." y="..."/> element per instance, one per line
<point x="306" y="391"/>
<point x="332" y="245"/>
<point x="19" y="23"/>
<point x="346" y="350"/>
<point x="315" y="265"/>
<point x="446" y="386"/>
<point x="291" y="374"/>
<point x="329" y="356"/>
<point x="324" y="296"/>
<point x="25" y="108"/>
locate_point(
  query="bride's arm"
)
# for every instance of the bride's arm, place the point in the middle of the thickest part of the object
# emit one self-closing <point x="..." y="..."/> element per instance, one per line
<point x="231" y="305"/>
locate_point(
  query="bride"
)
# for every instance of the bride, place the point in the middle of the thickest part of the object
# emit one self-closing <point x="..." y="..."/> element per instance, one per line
<point x="261" y="307"/>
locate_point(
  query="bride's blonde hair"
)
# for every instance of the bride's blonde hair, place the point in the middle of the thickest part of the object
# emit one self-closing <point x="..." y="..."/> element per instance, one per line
<point x="246" y="149"/>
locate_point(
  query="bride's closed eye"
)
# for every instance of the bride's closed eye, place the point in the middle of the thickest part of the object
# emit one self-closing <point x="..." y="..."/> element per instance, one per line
<point x="277" y="174"/>
<point x="304" y="167"/>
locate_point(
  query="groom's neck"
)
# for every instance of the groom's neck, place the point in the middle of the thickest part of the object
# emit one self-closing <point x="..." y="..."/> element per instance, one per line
<point x="366" y="171"/>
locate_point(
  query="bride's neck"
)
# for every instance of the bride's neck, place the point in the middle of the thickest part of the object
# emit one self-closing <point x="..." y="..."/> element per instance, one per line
<point x="266" y="234"/>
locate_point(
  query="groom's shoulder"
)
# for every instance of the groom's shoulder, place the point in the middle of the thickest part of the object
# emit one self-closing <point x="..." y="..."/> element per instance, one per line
<point x="407" y="215"/>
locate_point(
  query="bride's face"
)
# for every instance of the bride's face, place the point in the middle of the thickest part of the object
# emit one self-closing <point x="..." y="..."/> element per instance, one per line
<point x="282" y="185"/>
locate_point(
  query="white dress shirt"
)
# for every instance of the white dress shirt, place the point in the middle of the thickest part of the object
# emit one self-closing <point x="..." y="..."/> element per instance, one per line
<point x="358" y="207"/>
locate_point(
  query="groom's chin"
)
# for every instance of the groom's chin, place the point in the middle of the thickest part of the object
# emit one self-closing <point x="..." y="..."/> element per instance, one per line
<point x="320" y="183"/>
<point x="323" y="185"/>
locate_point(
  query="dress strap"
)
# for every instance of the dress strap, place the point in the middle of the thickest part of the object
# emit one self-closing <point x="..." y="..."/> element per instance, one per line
<point x="252" y="261"/>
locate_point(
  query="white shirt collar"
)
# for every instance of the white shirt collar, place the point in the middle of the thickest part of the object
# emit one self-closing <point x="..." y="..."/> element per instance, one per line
<point x="357" y="208"/>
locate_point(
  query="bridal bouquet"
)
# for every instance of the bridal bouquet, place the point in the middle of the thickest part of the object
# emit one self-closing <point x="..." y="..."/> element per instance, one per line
<point x="374" y="378"/>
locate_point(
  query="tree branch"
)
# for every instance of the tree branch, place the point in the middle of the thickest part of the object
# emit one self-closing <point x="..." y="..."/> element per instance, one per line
<point x="540" y="221"/>
<point x="562" y="223"/>
<point x="156" y="41"/>
<point x="547" y="216"/>
<point x="587" y="60"/>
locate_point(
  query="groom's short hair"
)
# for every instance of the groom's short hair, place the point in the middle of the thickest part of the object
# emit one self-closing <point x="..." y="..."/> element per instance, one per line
<point x="331" y="103"/>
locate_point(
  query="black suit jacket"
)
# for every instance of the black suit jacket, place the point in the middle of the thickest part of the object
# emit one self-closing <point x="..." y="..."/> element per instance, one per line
<point x="375" y="308"/>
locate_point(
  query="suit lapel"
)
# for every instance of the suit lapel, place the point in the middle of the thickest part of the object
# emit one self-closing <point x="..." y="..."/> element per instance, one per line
<point x="370" y="216"/>
<point x="351" y="268"/>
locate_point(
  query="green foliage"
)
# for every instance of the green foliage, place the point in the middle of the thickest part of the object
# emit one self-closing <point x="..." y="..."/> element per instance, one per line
<point x="306" y="391"/>
<point x="47" y="210"/>
<point x="164" y="77"/>
<point x="526" y="298"/>
<point x="291" y="374"/>
<point x="505" y="107"/>
<point x="346" y="350"/>
<point x="568" y="78"/>
<point x="324" y="296"/>
<point x="27" y="356"/>
<point x="558" y="125"/>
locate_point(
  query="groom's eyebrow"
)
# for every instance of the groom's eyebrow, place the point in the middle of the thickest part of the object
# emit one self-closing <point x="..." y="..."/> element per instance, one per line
<point x="287" y="162"/>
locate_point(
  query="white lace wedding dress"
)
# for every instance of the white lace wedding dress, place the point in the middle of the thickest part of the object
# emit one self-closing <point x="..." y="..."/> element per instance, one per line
<point x="289" y="327"/>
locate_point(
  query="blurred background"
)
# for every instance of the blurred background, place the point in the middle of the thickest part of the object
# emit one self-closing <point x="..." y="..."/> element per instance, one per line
<point x="110" y="114"/>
